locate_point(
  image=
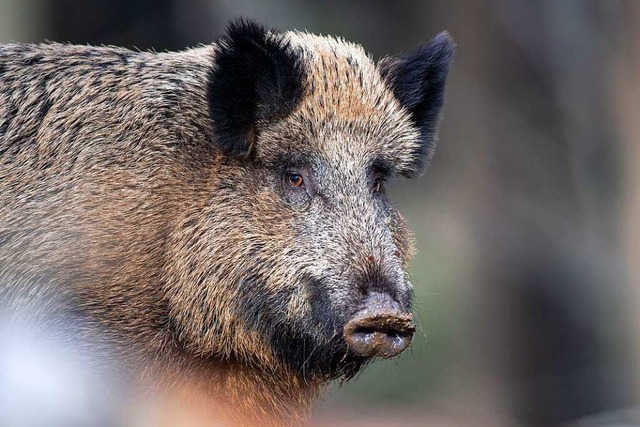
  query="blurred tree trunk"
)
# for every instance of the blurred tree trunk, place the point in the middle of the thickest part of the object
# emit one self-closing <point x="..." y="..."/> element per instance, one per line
<point x="540" y="308"/>
<point x="625" y="80"/>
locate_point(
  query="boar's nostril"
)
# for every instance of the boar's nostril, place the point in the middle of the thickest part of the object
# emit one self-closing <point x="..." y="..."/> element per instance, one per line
<point x="382" y="334"/>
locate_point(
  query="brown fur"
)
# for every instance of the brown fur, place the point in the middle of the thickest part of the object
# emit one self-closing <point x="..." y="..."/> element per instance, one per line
<point x="112" y="186"/>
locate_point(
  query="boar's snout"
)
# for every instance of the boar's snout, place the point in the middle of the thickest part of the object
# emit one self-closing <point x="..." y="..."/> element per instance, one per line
<point x="381" y="329"/>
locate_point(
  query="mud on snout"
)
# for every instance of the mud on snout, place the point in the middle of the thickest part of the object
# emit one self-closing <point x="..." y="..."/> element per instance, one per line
<point x="381" y="329"/>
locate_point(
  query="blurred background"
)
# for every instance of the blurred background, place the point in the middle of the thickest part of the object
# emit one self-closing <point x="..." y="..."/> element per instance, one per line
<point x="528" y="274"/>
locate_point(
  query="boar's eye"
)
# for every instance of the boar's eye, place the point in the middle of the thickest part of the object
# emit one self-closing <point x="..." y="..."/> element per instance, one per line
<point x="378" y="183"/>
<point x="295" y="180"/>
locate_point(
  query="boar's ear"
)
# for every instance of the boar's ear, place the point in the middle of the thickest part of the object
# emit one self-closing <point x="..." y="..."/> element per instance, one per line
<point x="257" y="77"/>
<point x="418" y="81"/>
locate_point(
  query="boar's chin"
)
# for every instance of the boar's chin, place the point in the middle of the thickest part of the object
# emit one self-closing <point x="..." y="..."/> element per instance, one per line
<point x="318" y="357"/>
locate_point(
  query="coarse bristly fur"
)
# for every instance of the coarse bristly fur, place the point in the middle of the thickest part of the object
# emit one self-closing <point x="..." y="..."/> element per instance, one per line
<point x="153" y="191"/>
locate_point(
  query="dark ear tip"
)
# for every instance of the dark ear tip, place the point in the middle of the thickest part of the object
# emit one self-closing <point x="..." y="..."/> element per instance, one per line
<point x="443" y="45"/>
<point x="241" y="29"/>
<point x="445" y="37"/>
